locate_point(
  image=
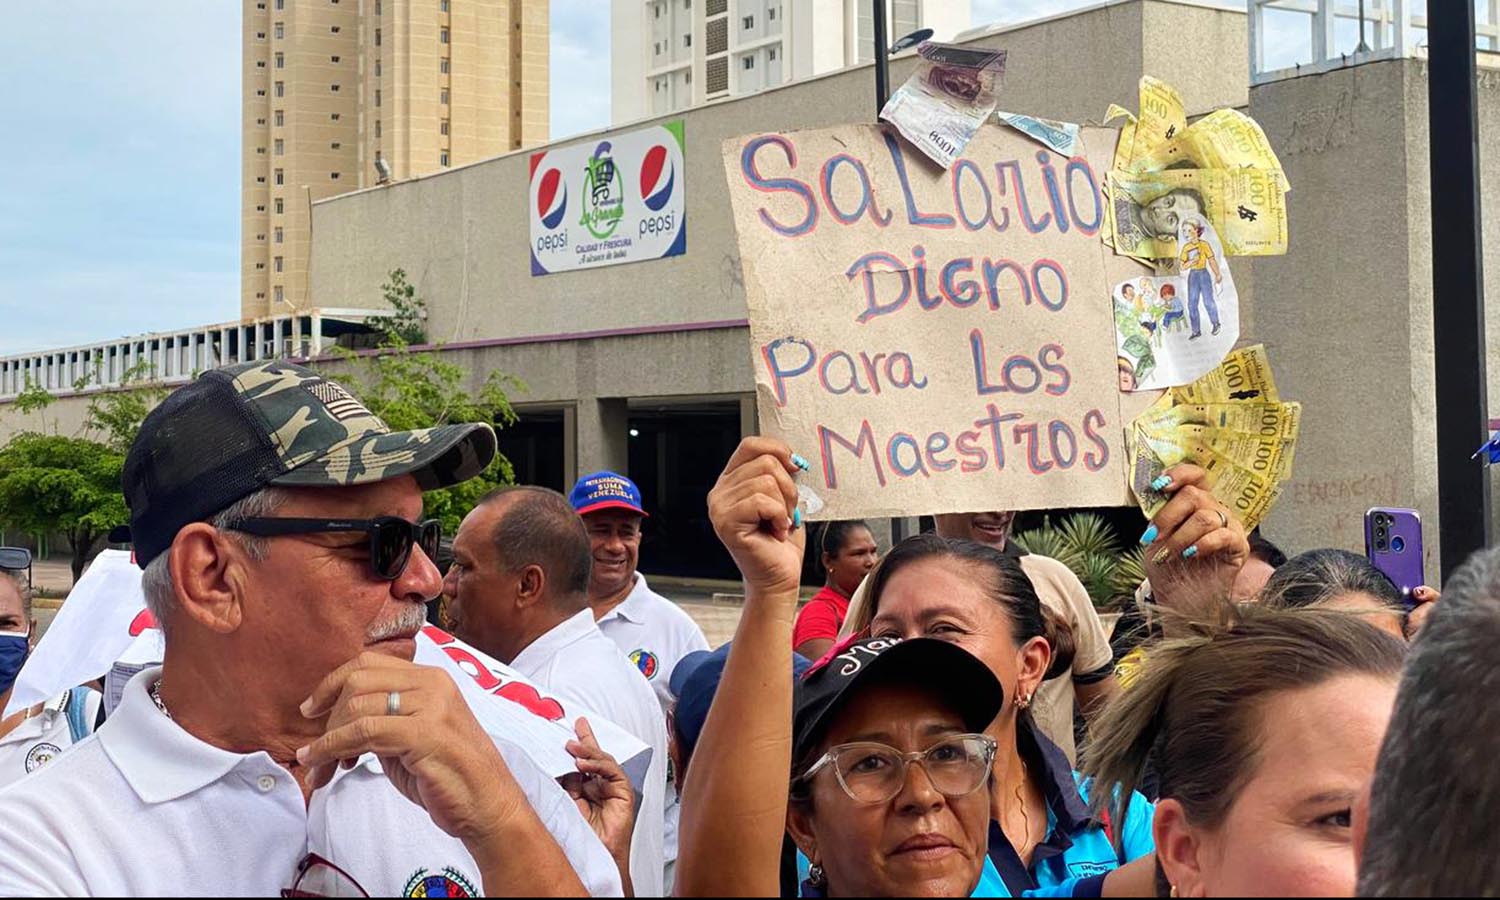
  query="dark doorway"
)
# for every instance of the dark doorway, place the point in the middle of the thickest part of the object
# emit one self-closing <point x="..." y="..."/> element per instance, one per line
<point x="676" y="455"/>
<point x="534" y="446"/>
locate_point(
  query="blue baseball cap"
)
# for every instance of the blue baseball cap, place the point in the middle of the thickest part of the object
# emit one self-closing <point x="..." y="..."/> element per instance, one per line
<point x="605" y="490"/>
<point x="694" y="683"/>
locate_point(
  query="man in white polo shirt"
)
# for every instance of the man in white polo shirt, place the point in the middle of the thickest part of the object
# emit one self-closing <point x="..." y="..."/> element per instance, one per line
<point x="652" y="630"/>
<point x="518" y="590"/>
<point x="35" y="736"/>
<point x="288" y="742"/>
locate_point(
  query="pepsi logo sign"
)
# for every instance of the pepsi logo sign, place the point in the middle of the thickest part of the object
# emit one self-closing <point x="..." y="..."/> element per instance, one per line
<point x="552" y="199"/>
<point x="658" y="178"/>
<point x="619" y="199"/>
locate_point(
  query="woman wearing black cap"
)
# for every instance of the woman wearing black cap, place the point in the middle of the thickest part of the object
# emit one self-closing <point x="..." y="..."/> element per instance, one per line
<point x="889" y="775"/>
<point x="888" y="797"/>
<point x="1043" y="834"/>
<point x="889" y="767"/>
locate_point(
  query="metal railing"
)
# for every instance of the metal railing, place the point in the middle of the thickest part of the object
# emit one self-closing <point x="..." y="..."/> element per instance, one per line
<point x="1289" y="38"/>
<point x="171" y="358"/>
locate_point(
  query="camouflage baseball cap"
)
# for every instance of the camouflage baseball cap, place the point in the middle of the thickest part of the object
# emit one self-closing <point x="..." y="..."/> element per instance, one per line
<point x="242" y="428"/>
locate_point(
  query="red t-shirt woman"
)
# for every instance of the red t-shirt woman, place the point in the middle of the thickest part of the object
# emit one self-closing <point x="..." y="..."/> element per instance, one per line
<point x="848" y="553"/>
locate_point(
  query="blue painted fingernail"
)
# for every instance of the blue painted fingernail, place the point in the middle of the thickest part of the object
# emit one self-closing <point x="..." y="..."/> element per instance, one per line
<point x="1149" y="536"/>
<point x="1161" y="483"/>
<point x="796" y="519"/>
<point x="801" y="463"/>
<point x="1190" y="552"/>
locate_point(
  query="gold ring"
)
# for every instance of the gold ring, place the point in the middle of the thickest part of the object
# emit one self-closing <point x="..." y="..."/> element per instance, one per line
<point x="1223" y="518"/>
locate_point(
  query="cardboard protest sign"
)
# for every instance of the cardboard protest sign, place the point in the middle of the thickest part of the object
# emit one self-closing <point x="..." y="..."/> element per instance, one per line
<point x="933" y="341"/>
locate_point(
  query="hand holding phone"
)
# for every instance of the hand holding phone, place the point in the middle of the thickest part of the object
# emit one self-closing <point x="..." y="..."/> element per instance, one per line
<point x="1393" y="544"/>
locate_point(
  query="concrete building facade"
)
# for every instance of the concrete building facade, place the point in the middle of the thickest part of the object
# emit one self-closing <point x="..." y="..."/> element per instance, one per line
<point x="331" y="86"/>
<point x="646" y="368"/>
<point x="671" y="55"/>
<point x="1353" y="139"/>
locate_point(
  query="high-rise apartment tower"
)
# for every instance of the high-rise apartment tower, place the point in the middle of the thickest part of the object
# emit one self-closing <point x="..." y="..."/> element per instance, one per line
<point x="332" y="86"/>
<point x="673" y="54"/>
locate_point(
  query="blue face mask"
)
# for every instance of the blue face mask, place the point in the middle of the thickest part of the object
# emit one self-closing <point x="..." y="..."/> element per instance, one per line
<point x="14" y="648"/>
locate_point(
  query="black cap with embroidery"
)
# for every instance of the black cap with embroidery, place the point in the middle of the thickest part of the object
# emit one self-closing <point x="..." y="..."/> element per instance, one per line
<point x="860" y="662"/>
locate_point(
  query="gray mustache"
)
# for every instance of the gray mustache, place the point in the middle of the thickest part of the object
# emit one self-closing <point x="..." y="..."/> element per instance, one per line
<point x="412" y="618"/>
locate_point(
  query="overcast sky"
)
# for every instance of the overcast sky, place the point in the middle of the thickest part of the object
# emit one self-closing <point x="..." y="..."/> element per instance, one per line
<point x="120" y="171"/>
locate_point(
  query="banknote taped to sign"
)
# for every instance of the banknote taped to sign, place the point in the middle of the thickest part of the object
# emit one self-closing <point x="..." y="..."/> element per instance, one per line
<point x="932" y="341"/>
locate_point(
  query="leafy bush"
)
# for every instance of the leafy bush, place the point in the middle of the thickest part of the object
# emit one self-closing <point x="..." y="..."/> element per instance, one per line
<point x="1086" y="544"/>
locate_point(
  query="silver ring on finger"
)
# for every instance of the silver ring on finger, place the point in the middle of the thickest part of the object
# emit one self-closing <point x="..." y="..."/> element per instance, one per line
<point x="393" y="703"/>
<point x="1223" y="519"/>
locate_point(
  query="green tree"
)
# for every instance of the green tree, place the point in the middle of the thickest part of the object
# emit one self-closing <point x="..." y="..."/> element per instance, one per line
<point x="411" y="389"/>
<point x="33" y="398"/>
<point x="55" y="484"/>
<point x="118" y="415"/>
<point x="407" y="323"/>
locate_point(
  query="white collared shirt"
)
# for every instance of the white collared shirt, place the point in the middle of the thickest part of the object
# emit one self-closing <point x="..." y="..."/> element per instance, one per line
<point x="655" y="634"/>
<point x="42" y="738"/>
<point x="143" y="808"/>
<point x="577" y="662"/>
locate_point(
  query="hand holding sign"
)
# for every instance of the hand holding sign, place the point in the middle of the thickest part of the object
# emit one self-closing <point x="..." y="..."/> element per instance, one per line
<point x="604" y="797"/>
<point x="752" y="508"/>
<point x="434" y="751"/>
<point x="430" y="745"/>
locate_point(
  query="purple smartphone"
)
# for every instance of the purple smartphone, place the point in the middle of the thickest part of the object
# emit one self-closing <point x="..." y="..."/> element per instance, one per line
<point x="1393" y="543"/>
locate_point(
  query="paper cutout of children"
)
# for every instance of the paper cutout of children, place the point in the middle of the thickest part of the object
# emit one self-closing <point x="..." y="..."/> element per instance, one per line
<point x="1174" y="314"/>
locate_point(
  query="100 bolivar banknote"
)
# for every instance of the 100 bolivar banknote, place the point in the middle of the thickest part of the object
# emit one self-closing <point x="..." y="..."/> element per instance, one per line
<point x="1231" y="424"/>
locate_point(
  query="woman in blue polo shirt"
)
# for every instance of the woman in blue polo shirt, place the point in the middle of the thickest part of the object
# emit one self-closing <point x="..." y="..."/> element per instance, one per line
<point x="915" y="716"/>
<point x="1042" y="834"/>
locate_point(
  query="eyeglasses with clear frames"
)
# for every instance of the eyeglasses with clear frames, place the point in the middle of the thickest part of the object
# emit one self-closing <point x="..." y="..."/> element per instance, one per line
<point x="871" y="773"/>
<point x="317" y="877"/>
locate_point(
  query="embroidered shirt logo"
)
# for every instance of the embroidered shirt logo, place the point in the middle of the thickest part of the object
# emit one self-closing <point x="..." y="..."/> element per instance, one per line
<point x="448" y="883"/>
<point x="646" y="661"/>
<point x="40" y="755"/>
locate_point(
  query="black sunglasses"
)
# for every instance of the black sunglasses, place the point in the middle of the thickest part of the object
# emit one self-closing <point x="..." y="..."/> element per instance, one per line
<point x="391" y="537"/>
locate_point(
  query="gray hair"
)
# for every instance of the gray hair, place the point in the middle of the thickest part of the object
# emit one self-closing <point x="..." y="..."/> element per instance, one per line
<point x="1432" y="823"/>
<point x="23" y="588"/>
<point x="156" y="580"/>
<point x="1318" y="576"/>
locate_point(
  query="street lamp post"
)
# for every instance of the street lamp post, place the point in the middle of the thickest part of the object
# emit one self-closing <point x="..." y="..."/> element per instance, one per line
<point x="882" y="60"/>
<point x="1457" y="282"/>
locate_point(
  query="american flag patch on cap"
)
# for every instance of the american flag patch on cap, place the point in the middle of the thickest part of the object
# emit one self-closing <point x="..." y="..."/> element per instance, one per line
<point x="339" y="402"/>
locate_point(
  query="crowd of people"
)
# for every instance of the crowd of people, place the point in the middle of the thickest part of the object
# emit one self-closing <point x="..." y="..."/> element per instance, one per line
<point x="1253" y="725"/>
